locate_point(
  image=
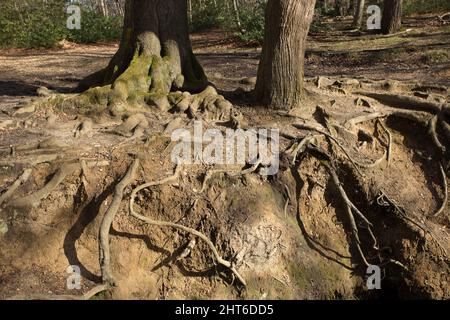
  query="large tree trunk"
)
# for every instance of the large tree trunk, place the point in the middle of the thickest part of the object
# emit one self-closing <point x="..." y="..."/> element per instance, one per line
<point x="359" y="14"/>
<point x="154" y="58"/>
<point x="280" y="73"/>
<point x="391" y="21"/>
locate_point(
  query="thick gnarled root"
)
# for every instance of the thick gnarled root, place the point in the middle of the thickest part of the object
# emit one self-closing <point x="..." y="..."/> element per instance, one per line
<point x="33" y="200"/>
<point x="208" y="104"/>
<point x="21" y="180"/>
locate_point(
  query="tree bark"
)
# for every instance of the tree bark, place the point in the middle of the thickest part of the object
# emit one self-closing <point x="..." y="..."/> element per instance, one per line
<point x="280" y="73"/>
<point x="391" y="20"/>
<point x="342" y="7"/>
<point x="359" y="14"/>
<point x="237" y="15"/>
<point x="154" y="57"/>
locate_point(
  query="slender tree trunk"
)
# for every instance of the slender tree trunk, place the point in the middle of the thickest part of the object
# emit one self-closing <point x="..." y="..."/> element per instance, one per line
<point x="154" y="57"/>
<point x="103" y="8"/>
<point x="391" y="21"/>
<point x="280" y="73"/>
<point x="359" y="14"/>
<point x="237" y="15"/>
<point x="190" y="14"/>
<point x="342" y="7"/>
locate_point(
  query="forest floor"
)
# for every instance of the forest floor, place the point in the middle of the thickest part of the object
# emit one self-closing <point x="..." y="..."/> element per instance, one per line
<point x="291" y="231"/>
<point x="422" y="53"/>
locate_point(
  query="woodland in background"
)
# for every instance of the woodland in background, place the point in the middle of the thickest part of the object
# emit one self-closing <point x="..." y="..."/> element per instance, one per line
<point x="42" y="23"/>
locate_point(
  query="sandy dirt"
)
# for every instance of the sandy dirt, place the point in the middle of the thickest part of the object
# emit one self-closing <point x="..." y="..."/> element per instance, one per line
<point x="290" y="231"/>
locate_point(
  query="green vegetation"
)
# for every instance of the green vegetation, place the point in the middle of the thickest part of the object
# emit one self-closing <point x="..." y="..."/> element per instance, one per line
<point x="252" y="20"/>
<point x="425" y="6"/>
<point x="436" y="56"/>
<point x="43" y="24"/>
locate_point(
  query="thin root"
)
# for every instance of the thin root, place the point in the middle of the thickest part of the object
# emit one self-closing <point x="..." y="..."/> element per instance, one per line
<point x="147" y="220"/>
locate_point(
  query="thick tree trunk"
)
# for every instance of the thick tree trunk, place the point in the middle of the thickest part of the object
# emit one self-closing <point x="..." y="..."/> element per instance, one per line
<point x="359" y="14"/>
<point x="391" y="21"/>
<point x="155" y="56"/>
<point x="280" y="73"/>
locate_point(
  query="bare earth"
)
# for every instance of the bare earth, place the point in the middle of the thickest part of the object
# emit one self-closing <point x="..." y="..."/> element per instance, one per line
<point x="290" y="231"/>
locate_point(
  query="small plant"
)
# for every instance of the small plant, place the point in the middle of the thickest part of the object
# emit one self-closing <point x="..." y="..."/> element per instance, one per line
<point x="436" y="56"/>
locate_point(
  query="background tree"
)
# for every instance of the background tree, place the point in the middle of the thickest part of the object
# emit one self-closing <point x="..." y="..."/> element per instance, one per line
<point x="391" y="21"/>
<point x="280" y="73"/>
<point x="359" y="13"/>
<point x="342" y="7"/>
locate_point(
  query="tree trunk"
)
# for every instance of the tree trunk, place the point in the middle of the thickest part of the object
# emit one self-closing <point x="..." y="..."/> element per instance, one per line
<point x="342" y="7"/>
<point x="237" y="15"/>
<point x="190" y="13"/>
<point x="155" y="56"/>
<point x="359" y="14"/>
<point x="280" y="73"/>
<point x="103" y="8"/>
<point x="391" y="21"/>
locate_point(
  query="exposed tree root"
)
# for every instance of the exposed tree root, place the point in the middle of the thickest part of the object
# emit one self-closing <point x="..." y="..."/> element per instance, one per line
<point x="21" y="180"/>
<point x="208" y="103"/>
<point x="363" y="118"/>
<point x="219" y="259"/>
<point x="299" y="147"/>
<point x="210" y="173"/>
<point x="433" y="134"/>
<point x="286" y="205"/>
<point x="389" y="142"/>
<point x="87" y="296"/>
<point x="406" y="102"/>
<point x="133" y="126"/>
<point x="349" y="206"/>
<point x="314" y="128"/>
<point x="30" y="160"/>
<point x="105" y="255"/>
<point x="444" y="202"/>
<point x="384" y="200"/>
<point x="445" y="127"/>
<point x="33" y="200"/>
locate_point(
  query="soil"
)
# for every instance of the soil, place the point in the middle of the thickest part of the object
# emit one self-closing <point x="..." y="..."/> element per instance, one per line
<point x="290" y="230"/>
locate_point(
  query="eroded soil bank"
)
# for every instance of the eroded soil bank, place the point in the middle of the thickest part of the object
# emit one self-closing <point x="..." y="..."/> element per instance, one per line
<point x="289" y="235"/>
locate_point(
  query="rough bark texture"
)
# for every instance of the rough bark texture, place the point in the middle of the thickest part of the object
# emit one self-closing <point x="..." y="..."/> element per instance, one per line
<point x="359" y="13"/>
<point x="155" y="56"/>
<point x="391" y="21"/>
<point x="280" y="73"/>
